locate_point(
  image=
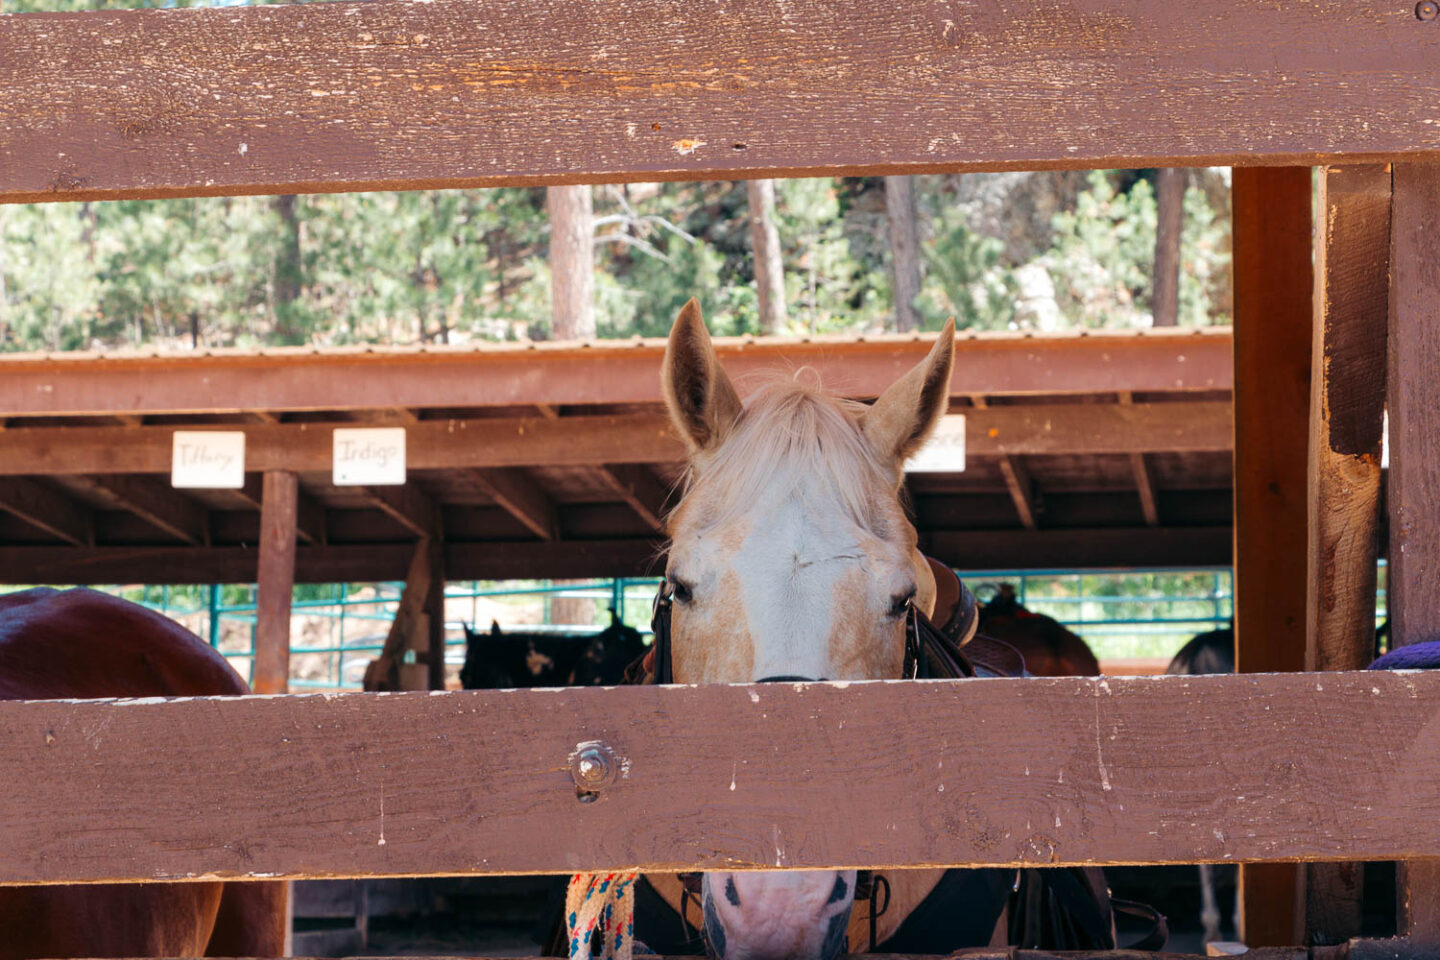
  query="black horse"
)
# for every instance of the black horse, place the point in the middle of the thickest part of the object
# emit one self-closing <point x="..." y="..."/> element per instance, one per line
<point x="497" y="660"/>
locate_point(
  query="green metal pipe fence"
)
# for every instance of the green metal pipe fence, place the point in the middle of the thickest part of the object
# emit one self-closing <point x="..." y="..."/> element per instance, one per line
<point x="337" y="628"/>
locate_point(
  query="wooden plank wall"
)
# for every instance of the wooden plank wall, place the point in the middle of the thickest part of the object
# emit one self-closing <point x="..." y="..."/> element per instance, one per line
<point x="414" y="95"/>
<point x="1002" y="772"/>
<point x="1273" y="293"/>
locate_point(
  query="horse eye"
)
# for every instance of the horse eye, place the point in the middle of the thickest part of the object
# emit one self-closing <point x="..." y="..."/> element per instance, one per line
<point x="900" y="603"/>
<point x="681" y="590"/>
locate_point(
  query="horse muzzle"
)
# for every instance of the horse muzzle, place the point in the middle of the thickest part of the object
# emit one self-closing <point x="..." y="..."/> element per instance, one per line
<point x="777" y="915"/>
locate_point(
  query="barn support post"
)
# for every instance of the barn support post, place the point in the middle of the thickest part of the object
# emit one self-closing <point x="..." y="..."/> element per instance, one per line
<point x="1413" y="394"/>
<point x="1273" y="321"/>
<point x="1347" y="399"/>
<point x="435" y="614"/>
<point x="275" y="581"/>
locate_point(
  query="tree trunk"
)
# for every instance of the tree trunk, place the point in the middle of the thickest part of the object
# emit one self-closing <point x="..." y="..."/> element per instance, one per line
<point x="1170" y="183"/>
<point x="572" y="263"/>
<point x="904" y="250"/>
<point x="287" y="269"/>
<point x="769" y="266"/>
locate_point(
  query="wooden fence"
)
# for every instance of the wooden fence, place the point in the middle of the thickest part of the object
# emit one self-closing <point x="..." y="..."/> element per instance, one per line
<point x="404" y="95"/>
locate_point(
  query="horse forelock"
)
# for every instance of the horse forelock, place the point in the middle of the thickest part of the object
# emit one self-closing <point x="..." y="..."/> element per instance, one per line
<point x="791" y="439"/>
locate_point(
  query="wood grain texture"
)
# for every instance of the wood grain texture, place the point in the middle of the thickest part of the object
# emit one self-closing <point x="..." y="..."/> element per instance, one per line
<point x="613" y="372"/>
<point x="275" y="582"/>
<point x="410" y="95"/>
<point x="1034" y="771"/>
<point x="1273" y="294"/>
<point x="1186" y="426"/>
<point x="1413" y="390"/>
<point x="1347" y="400"/>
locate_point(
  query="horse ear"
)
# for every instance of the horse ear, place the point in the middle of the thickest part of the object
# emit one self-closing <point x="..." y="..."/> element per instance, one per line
<point x="703" y="403"/>
<point x="899" y="423"/>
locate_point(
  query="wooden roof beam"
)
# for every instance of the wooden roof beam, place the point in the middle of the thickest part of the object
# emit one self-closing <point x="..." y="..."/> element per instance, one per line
<point x="520" y="496"/>
<point x="1021" y="489"/>
<point x="1144" y="479"/>
<point x="607" y="373"/>
<point x="1017" y="479"/>
<point x="638" y="486"/>
<point x="408" y="505"/>
<point x="1039" y="429"/>
<point x="1083" y="548"/>
<point x="157" y="503"/>
<point x="49" y="509"/>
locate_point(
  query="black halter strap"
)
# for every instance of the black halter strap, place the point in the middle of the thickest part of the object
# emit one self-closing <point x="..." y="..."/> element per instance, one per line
<point x="931" y="652"/>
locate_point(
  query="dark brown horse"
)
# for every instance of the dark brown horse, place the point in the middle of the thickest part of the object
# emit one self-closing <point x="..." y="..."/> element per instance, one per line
<point x="83" y="644"/>
<point x="1049" y="649"/>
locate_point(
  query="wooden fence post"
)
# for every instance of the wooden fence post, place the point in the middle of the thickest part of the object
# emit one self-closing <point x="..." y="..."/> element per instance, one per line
<point x="1273" y="292"/>
<point x="1413" y="390"/>
<point x="1347" y="401"/>
<point x="275" y="581"/>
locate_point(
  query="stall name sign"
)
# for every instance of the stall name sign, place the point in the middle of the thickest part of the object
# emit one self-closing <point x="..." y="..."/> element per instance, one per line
<point x="944" y="452"/>
<point x="208" y="460"/>
<point x="371" y="456"/>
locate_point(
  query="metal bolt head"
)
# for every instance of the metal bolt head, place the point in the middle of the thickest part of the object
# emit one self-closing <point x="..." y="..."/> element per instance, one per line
<point x="1427" y="10"/>
<point x="593" y="766"/>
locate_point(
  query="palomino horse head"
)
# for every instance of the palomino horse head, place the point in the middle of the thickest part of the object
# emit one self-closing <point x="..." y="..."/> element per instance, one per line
<point x="791" y="557"/>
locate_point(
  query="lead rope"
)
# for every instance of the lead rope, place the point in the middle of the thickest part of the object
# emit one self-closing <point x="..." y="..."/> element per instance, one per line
<point x="602" y="902"/>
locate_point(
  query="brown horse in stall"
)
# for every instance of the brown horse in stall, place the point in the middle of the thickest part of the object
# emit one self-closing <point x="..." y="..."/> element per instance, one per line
<point x="83" y="644"/>
<point x="1049" y="649"/>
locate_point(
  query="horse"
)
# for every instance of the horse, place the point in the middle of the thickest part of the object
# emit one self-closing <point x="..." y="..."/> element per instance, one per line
<point x="497" y="660"/>
<point x="1049" y="649"/>
<point x="792" y="558"/>
<point x="80" y="643"/>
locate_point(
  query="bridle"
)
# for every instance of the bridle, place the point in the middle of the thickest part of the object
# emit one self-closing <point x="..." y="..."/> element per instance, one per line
<point x="931" y="651"/>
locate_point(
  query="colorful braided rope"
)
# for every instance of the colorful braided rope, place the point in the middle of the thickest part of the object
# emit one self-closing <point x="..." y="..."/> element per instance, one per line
<point x="599" y="902"/>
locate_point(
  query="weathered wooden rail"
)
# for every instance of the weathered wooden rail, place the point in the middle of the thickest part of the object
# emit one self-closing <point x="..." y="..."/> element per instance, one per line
<point x="403" y="94"/>
<point x="896" y="774"/>
<point x="409" y="94"/>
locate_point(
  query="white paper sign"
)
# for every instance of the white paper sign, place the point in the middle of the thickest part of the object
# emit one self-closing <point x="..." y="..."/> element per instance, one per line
<point x="945" y="450"/>
<point x="373" y="455"/>
<point x="208" y="459"/>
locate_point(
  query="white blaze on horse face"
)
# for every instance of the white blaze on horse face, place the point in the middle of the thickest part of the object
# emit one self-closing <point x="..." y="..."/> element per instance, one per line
<point x="791" y="556"/>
